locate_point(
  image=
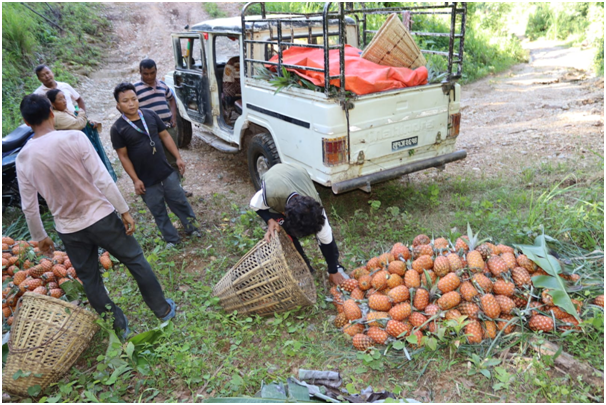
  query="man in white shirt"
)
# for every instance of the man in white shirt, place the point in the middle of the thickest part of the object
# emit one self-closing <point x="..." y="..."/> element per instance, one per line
<point x="47" y="78"/>
<point x="82" y="198"/>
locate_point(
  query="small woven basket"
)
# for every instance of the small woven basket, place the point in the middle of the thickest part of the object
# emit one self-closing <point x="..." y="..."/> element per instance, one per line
<point x="47" y="337"/>
<point x="394" y="46"/>
<point x="271" y="278"/>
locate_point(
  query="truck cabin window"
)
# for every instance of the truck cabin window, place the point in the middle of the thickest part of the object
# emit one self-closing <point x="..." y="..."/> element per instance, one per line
<point x="191" y="54"/>
<point x="227" y="68"/>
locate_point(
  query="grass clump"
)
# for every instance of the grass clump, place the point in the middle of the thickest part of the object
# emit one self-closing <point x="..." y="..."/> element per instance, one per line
<point x="213" y="10"/>
<point x="29" y="40"/>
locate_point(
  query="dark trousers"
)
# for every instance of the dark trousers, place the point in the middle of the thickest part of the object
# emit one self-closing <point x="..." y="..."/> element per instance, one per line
<point x="279" y="218"/>
<point x="169" y="192"/>
<point x="108" y="233"/>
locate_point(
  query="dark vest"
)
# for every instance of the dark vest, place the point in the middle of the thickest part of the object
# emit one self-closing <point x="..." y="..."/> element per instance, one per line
<point x="282" y="180"/>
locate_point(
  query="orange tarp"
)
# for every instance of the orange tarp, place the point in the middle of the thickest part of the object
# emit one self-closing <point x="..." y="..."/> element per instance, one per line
<point x="361" y="76"/>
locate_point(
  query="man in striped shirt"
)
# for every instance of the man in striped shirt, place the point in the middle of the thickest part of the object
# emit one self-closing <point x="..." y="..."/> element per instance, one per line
<point x="155" y="95"/>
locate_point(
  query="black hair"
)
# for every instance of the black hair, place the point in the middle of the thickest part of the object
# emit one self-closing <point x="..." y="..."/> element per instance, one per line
<point x="304" y="215"/>
<point x="147" y="64"/>
<point x="52" y="94"/>
<point x="35" y="109"/>
<point x="122" y="88"/>
<point x="40" y="68"/>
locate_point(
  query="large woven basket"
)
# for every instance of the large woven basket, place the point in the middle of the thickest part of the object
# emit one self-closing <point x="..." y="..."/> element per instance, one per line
<point x="394" y="46"/>
<point x="47" y="337"/>
<point x="271" y="278"/>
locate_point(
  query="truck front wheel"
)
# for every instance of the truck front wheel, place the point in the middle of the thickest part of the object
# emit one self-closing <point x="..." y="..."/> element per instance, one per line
<point x="184" y="131"/>
<point x="262" y="154"/>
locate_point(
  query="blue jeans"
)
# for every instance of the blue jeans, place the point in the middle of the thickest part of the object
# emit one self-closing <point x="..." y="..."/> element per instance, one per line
<point x="82" y="247"/>
<point x="169" y="192"/>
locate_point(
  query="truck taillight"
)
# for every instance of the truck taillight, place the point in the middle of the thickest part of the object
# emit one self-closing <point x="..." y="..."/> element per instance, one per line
<point x="334" y="151"/>
<point x="454" y="122"/>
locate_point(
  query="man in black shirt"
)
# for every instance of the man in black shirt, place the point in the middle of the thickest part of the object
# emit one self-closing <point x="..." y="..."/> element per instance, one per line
<point x="139" y="137"/>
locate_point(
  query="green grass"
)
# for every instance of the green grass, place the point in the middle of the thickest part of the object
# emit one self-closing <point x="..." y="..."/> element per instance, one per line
<point x="213" y="10"/>
<point x="28" y="40"/>
<point x="208" y="353"/>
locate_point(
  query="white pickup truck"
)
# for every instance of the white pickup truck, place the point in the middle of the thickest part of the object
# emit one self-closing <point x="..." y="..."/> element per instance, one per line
<point x="344" y="142"/>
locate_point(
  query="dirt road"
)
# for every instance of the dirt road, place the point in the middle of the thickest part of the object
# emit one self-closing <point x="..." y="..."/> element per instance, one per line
<point x="549" y="110"/>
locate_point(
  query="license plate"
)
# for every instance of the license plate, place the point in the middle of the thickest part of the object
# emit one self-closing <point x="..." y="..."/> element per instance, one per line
<point x="404" y="143"/>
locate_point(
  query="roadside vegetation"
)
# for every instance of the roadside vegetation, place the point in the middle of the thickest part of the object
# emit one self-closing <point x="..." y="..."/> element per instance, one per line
<point x="69" y="37"/>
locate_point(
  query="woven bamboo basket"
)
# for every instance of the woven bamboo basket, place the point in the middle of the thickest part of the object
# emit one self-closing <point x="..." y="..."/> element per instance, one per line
<point x="47" y="337"/>
<point x="271" y="278"/>
<point x="394" y="46"/>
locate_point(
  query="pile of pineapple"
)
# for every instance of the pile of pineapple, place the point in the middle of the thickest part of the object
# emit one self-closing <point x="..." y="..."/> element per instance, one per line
<point x="412" y="291"/>
<point x="25" y="268"/>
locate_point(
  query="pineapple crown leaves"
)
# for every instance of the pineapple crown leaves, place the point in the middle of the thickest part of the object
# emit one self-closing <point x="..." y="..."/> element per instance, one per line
<point x="472" y="240"/>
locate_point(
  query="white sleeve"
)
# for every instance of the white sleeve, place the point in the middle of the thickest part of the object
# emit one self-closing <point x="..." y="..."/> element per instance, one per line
<point x="258" y="202"/>
<point x="325" y="234"/>
<point x="73" y="93"/>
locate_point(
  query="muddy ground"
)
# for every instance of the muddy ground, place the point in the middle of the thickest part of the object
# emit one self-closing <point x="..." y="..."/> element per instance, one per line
<point x="548" y="110"/>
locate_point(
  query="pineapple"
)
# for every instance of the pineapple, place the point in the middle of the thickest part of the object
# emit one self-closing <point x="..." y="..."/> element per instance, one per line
<point x="385" y="259"/>
<point x="71" y="273"/>
<point x="8" y="240"/>
<point x="349" y="285"/>
<point x="475" y="262"/>
<point x="379" y="302"/>
<point x="394" y="280"/>
<point x="397" y="328"/>
<point x="546" y="297"/>
<point x="352" y="310"/>
<point x="52" y="284"/>
<point x="449" y="300"/>
<point x="490" y="306"/>
<point x="412" y="279"/>
<point x="36" y="271"/>
<point x="400" y="311"/>
<point x="373" y="264"/>
<point x="59" y="271"/>
<point x="490" y="330"/>
<point x="570" y="323"/>
<point x="378" y="335"/>
<point x="353" y="329"/>
<point x="46" y="264"/>
<point x="357" y="294"/>
<point x="421" y="299"/>
<point x="599" y="300"/>
<point x="19" y="277"/>
<point x="483" y="282"/>
<point x="441" y="266"/>
<point x="469" y="309"/>
<point x="468" y="291"/>
<point x="400" y="252"/>
<point x="359" y="272"/>
<point x="421" y="239"/>
<point x="461" y="245"/>
<point x="397" y="267"/>
<point x="428" y="282"/>
<point x="365" y="282"/>
<point x="67" y="263"/>
<point x="474" y="332"/>
<point x="106" y="262"/>
<point x="541" y="322"/>
<point x="502" y="287"/>
<point x="440" y="243"/>
<point x="378" y="319"/>
<point x="455" y="262"/>
<point x="362" y="342"/>
<point x="497" y="265"/>
<point x="431" y="309"/>
<point x="40" y="290"/>
<point x="399" y="294"/>
<point x="422" y="263"/>
<point x="501" y="324"/>
<point x="340" y="320"/>
<point x="510" y="260"/>
<point x="379" y="280"/>
<point x="422" y="250"/>
<point x="558" y="313"/>
<point x="449" y="283"/>
<point x="505" y="303"/>
<point x="417" y="319"/>
<point x="453" y="314"/>
<point x="525" y="262"/>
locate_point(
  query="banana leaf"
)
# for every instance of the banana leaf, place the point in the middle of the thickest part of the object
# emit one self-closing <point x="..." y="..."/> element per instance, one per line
<point x="539" y="253"/>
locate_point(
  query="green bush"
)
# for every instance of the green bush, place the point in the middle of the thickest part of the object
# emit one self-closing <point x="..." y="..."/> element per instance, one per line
<point x="28" y="40"/>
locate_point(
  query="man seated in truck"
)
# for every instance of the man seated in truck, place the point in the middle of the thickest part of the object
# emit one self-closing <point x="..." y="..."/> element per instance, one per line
<point x="232" y="90"/>
<point x="288" y="198"/>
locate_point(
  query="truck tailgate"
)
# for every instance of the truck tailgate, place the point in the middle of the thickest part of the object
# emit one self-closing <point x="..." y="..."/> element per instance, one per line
<point x="393" y="123"/>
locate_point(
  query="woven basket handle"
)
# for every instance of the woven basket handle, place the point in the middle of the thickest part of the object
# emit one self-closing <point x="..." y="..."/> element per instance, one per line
<point x="68" y="324"/>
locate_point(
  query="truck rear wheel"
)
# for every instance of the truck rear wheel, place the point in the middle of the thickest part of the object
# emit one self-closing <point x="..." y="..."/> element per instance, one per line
<point x="262" y="154"/>
<point x="184" y="131"/>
